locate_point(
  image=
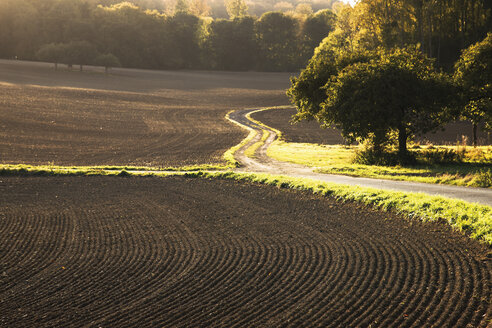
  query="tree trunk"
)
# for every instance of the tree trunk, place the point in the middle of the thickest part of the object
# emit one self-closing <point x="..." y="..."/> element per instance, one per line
<point x="106" y="70"/>
<point x="81" y="68"/>
<point x="420" y="23"/>
<point x="56" y="66"/>
<point x="475" y="127"/>
<point x="402" y="141"/>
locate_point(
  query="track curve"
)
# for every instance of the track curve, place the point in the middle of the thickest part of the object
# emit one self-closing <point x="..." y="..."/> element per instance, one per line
<point x="263" y="163"/>
<point x="180" y="252"/>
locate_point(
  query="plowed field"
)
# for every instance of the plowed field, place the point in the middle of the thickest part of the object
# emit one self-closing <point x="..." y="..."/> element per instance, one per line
<point x="176" y="252"/>
<point x="131" y="117"/>
<point x="310" y="131"/>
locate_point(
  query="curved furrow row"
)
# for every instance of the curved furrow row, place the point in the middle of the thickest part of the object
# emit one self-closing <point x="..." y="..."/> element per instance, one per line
<point x="173" y="255"/>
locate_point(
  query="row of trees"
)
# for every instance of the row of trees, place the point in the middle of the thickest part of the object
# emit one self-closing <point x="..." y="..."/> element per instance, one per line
<point x="184" y="38"/>
<point x="150" y="39"/>
<point x="375" y="80"/>
<point x="78" y="52"/>
<point x="218" y="8"/>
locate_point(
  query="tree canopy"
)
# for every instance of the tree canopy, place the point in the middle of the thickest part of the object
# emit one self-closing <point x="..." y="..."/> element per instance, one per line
<point x="373" y="76"/>
<point x="176" y="35"/>
<point x="473" y="72"/>
<point x="399" y="92"/>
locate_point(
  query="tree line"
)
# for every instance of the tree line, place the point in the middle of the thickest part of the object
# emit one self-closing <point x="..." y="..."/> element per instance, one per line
<point x="82" y="32"/>
<point x="395" y="69"/>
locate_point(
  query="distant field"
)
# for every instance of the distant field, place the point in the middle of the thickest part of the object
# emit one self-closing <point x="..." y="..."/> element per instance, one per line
<point x="132" y="117"/>
<point x="309" y="131"/>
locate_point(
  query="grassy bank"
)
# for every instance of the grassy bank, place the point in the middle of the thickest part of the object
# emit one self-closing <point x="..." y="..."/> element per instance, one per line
<point x="472" y="219"/>
<point x="475" y="169"/>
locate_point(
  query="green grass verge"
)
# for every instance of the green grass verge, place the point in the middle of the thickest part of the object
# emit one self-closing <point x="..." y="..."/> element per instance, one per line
<point x="23" y="169"/>
<point x="229" y="154"/>
<point x="473" y="219"/>
<point x="475" y="171"/>
<point x="250" y="152"/>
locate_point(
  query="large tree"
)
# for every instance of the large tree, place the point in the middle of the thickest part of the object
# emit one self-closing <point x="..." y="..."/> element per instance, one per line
<point x="473" y="71"/>
<point x="398" y="92"/>
<point x="308" y="89"/>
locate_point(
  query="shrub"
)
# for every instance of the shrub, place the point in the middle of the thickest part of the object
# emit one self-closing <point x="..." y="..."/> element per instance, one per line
<point x="484" y="179"/>
<point x="441" y="156"/>
<point x="369" y="156"/>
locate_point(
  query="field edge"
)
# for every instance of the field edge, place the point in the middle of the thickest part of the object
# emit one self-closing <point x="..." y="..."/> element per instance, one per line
<point x="473" y="220"/>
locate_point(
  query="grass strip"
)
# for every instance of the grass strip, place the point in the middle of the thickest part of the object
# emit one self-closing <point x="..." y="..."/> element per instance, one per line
<point x="472" y="219"/>
<point x="338" y="159"/>
<point x="278" y="132"/>
<point x="24" y="169"/>
<point x="229" y="154"/>
<point x="250" y="152"/>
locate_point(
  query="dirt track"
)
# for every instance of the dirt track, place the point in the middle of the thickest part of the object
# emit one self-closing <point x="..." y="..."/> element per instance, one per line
<point x="107" y="252"/>
<point x="263" y="163"/>
<point x="134" y="117"/>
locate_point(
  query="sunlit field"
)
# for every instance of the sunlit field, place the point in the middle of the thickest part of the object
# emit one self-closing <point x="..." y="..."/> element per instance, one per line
<point x="151" y="176"/>
<point x="131" y="117"/>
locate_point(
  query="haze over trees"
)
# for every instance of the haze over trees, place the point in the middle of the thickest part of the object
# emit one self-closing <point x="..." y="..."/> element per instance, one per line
<point x="376" y="74"/>
<point x="163" y="34"/>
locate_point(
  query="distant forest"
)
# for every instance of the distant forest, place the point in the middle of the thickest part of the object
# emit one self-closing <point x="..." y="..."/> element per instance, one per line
<point x="231" y="34"/>
<point x="217" y="8"/>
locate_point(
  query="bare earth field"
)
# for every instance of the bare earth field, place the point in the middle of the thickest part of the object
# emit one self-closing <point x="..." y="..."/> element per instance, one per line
<point x="310" y="132"/>
<point x="177" y="252"/>
<point x="131" y="117"/>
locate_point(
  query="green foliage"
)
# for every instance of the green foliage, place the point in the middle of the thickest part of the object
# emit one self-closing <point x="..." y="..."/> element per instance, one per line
<point x="441" y="28"/>
<point x="278" y="41"/>
<point x="181" y="7"/>
<point x="484" y="179"/>
<point x="369" y="156"/>
<point x="232" y="44"/>
<point x="308" y="90"/>
<point x="80" y="53"/>
<point x="142" y="37"/>
<point x="469" y="169"/>
<point x="473" y="72"/>
<point x="53" y="52"/>
<point x="236" y="8"/>
<point x="441" y="156"/>
<point x="370" y="95"/>
<point x="316" y="27"/>
<point x="107" y="60"/>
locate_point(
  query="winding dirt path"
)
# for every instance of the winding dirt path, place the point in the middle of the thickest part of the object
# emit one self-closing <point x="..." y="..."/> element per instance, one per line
<point x="263" y="163"/>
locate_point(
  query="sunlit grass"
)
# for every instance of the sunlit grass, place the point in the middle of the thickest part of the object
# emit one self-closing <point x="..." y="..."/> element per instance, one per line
<point x="473" y="219"/>
<point x="250" y="152"/>
<point x="23" y="169"/>
<point x="473" y="171"/>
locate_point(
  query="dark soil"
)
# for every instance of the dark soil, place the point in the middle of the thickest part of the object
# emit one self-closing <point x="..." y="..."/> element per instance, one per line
<point x="131" y="117"/>
<point x="304" y="131"/>
<point x="310" y="131"/>
<point x="177" y="252"/>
